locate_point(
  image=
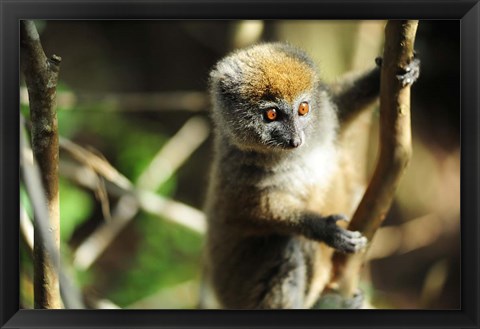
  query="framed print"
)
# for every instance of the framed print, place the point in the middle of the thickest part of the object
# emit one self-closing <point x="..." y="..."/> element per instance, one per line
<point x="250" y="164"/>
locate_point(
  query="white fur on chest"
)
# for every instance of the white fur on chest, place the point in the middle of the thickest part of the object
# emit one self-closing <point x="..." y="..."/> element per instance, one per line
<point x="308" y="173"/>
<point x="319" y="166"/>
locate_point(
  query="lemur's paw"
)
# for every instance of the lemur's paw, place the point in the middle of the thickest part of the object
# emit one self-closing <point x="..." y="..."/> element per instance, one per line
<point x="341" y="239"/>
<point x="410" y="73"/>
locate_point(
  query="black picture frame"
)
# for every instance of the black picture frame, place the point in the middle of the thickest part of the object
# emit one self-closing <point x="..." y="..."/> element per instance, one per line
<point x="468" y="12"/>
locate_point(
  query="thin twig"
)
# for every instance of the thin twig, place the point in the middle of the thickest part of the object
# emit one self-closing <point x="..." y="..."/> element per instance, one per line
<point x="174" y="153"/>
<point x="170" y="210"/>
<point x="188" y="101"/>
<point x="94" y="168"/>
<point x="167" y="161"/>
<point x="97" y="163"/>
<point x="412" y="235"/>
<point x="134" y="200"/>
<point x="395" y="148"/>
<point x="26" y="228"/>
<point x="41" y="76"/>
<point x="434" y="283"/>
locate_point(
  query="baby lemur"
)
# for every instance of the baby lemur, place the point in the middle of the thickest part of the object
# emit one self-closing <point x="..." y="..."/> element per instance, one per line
<point x="272" y="227"/>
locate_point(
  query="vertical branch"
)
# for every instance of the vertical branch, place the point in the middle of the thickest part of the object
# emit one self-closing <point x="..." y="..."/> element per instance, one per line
<point x="395" y="148"/>
<point x="41" y="76"/>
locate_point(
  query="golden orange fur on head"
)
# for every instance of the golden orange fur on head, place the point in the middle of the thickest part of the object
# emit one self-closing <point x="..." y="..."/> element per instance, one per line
<point x="268" y="71"/>
<point x="277" y="74"/>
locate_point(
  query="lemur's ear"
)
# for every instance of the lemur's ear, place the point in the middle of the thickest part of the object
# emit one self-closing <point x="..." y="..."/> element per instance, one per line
<point x="225" y="76"/>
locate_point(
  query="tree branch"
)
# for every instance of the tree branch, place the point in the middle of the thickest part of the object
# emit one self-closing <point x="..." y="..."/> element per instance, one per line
<point x="395" y="149"/>
<point x="41" y="76"/>
<point x="41" y="233"/>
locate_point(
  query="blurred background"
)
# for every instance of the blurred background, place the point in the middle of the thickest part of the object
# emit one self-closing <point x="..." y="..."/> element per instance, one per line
<point x="136" y="145"/>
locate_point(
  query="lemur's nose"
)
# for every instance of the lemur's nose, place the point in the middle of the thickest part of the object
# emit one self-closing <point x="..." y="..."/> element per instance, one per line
<point x="296" y="141"/>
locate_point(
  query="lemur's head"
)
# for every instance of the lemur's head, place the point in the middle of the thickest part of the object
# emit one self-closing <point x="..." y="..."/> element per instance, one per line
<point x="267" y="97"/>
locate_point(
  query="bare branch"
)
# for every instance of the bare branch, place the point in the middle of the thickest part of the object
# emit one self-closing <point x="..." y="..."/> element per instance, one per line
<point x="412" y="235"/>
<point x="395" y="148"/>
<point x="188" y="101"/>
<point x="97" y="163"/>
<point x="175" y="152"/>
<point x="41" y="76"/>
<point x="434" y="283"/>
<point x="41" y="230"/>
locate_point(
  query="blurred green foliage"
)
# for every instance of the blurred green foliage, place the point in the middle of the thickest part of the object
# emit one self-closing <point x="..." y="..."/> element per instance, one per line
<point x="167" y="255"/>
<point x="76" y="206"/>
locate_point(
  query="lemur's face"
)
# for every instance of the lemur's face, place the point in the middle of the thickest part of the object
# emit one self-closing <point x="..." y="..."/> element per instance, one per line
<point x="281" y="124"/>
<point x="265" y="97"/>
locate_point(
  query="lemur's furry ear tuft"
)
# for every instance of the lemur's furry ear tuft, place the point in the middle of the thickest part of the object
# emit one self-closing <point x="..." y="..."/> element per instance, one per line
<point x="225" y="75"/>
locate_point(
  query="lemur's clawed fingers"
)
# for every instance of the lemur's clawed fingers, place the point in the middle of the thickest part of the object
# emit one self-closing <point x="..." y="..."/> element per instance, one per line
<point x="351" y="243"/>
<point x="410" y="73"/>
<point x="344" y="240"/>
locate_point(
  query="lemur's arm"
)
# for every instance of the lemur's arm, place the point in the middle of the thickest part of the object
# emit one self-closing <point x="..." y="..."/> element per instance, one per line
<point x="271" y="217"/>
<point x="356" y="92"/>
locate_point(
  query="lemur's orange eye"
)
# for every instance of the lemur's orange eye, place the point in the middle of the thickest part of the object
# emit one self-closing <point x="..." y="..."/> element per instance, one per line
<point x="303" y="108"/>
<point x="271" y="114"/>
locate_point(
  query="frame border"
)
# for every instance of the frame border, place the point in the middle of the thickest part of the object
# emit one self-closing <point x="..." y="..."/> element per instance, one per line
<point x="11" y="11"/>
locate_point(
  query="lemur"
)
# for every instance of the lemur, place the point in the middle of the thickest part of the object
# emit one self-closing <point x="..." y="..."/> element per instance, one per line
<point x="272" y="223"/>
